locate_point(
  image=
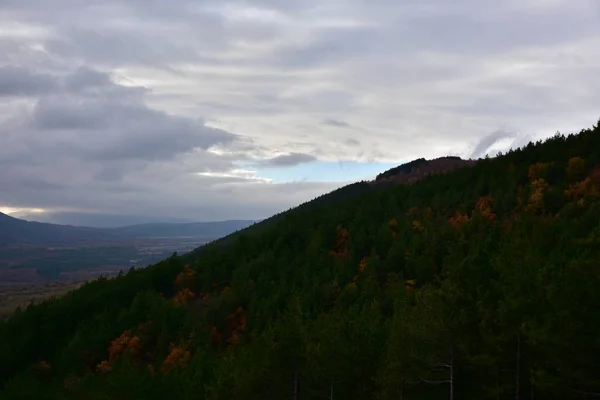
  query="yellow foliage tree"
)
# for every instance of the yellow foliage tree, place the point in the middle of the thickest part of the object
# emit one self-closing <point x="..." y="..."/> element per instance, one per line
<point x="576" y="169"/>
<point x="536" y="198"/>
<point x="411" y="285"/>
<point x="417" y="225"/>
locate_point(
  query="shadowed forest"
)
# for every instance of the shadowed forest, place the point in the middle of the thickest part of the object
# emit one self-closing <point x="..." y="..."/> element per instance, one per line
<point x="476" y="283"/>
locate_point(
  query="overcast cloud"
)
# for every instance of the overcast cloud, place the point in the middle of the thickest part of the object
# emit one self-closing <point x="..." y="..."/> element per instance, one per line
<point x="182" y="108"/>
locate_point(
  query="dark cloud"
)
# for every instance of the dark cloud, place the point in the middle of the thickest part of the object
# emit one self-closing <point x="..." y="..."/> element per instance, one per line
<point x="112" y="130"/>
<point x="336" y="123"/>
<point x="84" y="78"/>
<point x="106" y="127"/>
<point x="85" y="138"/>
<point x="288" y="160"/>
<point x="21" y="81"/>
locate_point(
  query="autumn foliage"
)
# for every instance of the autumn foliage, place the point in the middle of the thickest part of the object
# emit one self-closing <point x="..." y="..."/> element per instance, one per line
<point x="536" y="197"/>
<point x="125" y="342"/>
<point x="484" y="206"/>
<point x="178" y="357"/>
<point x="411" y="285"/>
<point x="363" y="264"/>
<point x="458" y="220"/>
<point x="182" y="297"/>
<point x="576" y="169"/>
<point x="588" y="187"/>
<point x="393" y="224"/>
<point x="536" y="171"/>
<point x="417" y="225"/>
<point x="236" y="324"/>
<point x="183" y="281"/>
<point x="340" y="247"/>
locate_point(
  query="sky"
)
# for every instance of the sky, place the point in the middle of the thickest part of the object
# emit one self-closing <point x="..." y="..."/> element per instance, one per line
<point x="230" y="109"/>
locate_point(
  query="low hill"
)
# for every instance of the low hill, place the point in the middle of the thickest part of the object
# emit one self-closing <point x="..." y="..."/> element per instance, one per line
<point x="478" y="283"/>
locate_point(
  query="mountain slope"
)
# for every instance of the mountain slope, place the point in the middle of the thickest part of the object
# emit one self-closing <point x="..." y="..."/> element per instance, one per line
<point x="478" y="283"/>
<point x="196" y="229"/>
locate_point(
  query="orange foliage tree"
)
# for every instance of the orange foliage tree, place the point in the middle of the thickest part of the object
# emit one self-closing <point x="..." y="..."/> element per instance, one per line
<point x="458" y="220"/>
<point x="484" y="205"/>
<point x="178" y="357"/>
<point x="186" y="278"/>
<point x="340" y="247"/>
<point x="182" y="297"/>
<point x="236" y="324"/>
<point x="536" y="171"/>
<point x="588" y="187"/>
<point x="125" y="342"/>
<point x="363" y="264"/>
<point x="183" y="282"/>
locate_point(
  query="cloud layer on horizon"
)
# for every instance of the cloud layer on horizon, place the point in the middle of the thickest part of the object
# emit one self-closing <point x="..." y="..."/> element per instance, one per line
<point x="156" y="107"/>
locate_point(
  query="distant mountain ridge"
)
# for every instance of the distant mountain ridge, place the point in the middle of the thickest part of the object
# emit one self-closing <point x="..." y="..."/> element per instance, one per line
<point x="96" y="220"/>
<point x="15" y="231"/>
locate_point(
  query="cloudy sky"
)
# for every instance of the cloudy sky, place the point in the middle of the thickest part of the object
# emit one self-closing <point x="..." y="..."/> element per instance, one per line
<point x="224" y="109"/>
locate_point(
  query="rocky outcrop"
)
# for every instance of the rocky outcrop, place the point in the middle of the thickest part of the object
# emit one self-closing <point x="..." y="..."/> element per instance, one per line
<point x="420" y="168"/>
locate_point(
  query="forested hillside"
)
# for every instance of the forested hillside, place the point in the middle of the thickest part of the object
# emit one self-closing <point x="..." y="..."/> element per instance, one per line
<point x="480" y="283"/>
